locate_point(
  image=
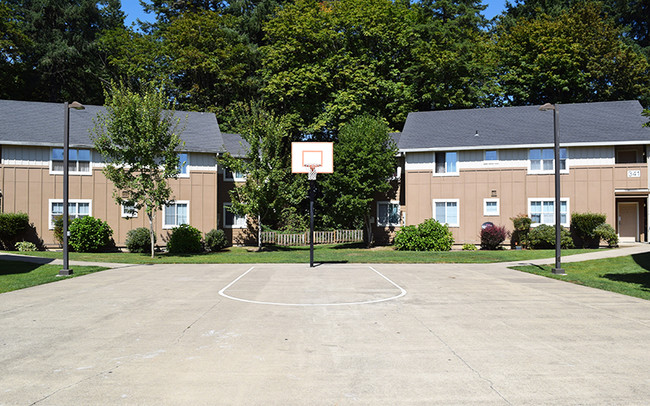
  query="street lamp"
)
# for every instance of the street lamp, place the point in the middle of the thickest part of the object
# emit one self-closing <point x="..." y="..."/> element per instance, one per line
<point x="558" y="236"/>
<point x="66" y="271"/>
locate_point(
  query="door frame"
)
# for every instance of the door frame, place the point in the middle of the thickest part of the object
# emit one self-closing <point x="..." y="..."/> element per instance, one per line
<point x="618" y="210"/>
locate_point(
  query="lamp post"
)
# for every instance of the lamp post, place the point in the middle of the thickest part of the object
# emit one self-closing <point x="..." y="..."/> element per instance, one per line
<point x="558" y="236"/>
<point x="66" y="271"/>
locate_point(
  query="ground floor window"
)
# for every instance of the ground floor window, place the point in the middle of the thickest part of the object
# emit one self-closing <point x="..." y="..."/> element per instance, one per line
<point x="490" y="207"/>
<point x="388" y="214"/>
<point x="232" y="220"/>
<point x="176" y="213"/>
<point x="129" y="211"/>
<point x="542" y="211"/>
<point x="76" y="208"/>
<point x="446" y="212"/>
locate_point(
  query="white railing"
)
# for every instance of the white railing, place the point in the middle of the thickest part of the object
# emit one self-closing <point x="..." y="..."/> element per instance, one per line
<point x="320" y="237"/>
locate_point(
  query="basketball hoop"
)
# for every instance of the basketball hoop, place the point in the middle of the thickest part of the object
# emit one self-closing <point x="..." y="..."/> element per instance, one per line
<point x="312" y="171"/>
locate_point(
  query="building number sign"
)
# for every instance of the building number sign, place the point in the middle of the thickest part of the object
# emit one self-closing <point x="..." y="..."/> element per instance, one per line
<point x="634" y="174"/>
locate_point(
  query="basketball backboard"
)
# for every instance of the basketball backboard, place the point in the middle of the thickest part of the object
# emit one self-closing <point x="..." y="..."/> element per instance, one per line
<point x="306" y="154"/>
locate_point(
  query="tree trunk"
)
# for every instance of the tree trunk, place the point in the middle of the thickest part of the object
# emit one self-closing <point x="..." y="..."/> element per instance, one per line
<point x="259" y="233"/>
<point x="151" y="233"/>
<point x="369" y="236"/>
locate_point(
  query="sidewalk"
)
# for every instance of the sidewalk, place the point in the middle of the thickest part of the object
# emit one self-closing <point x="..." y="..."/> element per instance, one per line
<point x="52" y="261"/>
<point x="624" y="250"/>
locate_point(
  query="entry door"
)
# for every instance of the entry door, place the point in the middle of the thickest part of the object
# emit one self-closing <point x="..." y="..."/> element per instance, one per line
<point x="628" y="221"/>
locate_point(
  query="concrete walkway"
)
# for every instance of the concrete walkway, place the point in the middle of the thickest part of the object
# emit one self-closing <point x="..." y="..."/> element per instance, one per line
<point x="337" y="334"/>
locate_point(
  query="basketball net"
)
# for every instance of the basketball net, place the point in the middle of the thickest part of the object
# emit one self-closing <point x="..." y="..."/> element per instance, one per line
<point x="312" y="171"/>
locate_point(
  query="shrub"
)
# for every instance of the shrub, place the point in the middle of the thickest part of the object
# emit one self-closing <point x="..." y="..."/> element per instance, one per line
<point x="469" y="247"/>
<point x="12" y="226"/>
<point x="522" y="227"/>
<point x="89" y="234"/>
<point x="25" y="246"/>
<point x="215" y="240"/>
<point x="139" y="240"/>
<point x="582" y="229"/>
<point x="184" y="239"/>
<point x="607" y="233"/>
<point x="427" y="236"/>
<point x="543" y="237"/>
<point x="58" y="229"/>
<point x="492" y="237"/>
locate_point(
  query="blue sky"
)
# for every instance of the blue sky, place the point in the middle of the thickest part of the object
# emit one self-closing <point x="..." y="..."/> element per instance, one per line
<point x="133" y="10"/>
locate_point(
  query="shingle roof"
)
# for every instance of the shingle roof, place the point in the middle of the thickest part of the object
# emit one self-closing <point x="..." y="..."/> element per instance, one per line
<point x="598" y="123"/>
<point x="38" y="123"/>
<point x="235" y="144"/>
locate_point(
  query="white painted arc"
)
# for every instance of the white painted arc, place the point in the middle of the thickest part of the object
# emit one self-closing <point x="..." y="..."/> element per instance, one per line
<point x="402" y="293"/>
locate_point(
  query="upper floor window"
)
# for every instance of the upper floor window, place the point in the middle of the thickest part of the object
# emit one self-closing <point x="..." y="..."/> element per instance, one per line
<point x="388" y="214"/>
<point x="183" y="164"/>
<point x="629" y="154"/>
<point x="541" y="160"/>
<point x="446" y="162"/>
<point x="235" y="176"/>
<point x="78" y="160"/>
<point x="491" y="155"/>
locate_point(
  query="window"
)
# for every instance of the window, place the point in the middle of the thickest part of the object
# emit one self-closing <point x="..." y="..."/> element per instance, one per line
<point x="541" y="211"/>
<point x="490" y="207"/>
<point x="128" y="211"/>
<point x="236" y="176"/>
<point x="446" y="162"/>
<point x="232" y="220"/>
<point x="183" y="164"/>
<point x="78" y="161"/>
<point x="491" y="155"/>
<point x="446" y="212"/>
<point x="175" y="214"/>
<point x="76" y="209"/>
<point x="388" y="214"/>
<point x="541" y="160"/>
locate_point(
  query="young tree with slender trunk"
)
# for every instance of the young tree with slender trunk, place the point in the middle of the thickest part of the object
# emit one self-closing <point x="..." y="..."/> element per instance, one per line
<point x="138" y="137"/>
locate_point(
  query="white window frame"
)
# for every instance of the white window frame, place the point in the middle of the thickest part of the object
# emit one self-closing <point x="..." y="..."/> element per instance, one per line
<point x="76" y="201"/>
<point x="457" y="201"/>
<point x="552" y="200"/>
<point x="445" y="173"/>
<point x="77" y="172"/>
<point x="490" y="160"/>
<point x="236" y="225"/>
<point x="232" y="177"/>
<point x="547" y="171"/>
<point x="399" y="212"/>
<point x="485" y="210"/>
<point x="126" y="214"/>
<point x="186" y="167"/>
<point x="166" y="226"/>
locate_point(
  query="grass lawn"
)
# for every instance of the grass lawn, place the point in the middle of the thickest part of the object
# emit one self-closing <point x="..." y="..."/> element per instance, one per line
<point x="342" y="253"/>
<point x="16" y="275"/>
<point x="628" y="275"/>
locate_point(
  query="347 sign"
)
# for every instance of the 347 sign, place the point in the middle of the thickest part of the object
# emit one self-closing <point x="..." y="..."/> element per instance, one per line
<point x="634" y="173"/>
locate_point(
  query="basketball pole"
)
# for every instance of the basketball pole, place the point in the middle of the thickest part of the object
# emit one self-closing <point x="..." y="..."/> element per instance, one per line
<point x="312" y="192"/>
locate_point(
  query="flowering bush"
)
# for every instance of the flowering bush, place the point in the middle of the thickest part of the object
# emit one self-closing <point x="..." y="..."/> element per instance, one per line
<point x="492" y="237"/>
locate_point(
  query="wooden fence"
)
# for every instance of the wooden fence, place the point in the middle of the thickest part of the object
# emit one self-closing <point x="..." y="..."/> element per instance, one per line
<point x="320" y="237"/>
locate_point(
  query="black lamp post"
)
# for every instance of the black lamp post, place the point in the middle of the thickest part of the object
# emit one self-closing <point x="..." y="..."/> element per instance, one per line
<point x="66" y="271"/>
<point x="558" y="236"/>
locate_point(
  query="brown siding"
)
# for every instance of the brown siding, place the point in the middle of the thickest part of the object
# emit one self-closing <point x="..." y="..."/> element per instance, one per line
<point x="588" y="189"/>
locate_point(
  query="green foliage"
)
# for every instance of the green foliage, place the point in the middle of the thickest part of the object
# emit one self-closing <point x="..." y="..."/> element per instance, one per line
<point x="522" y="227"/>
<point x="606" y="232"/>
<point x="576" y="56"/>
<point x="139" y="240"/>
<point x="543" y="237"/>
<point x="492" y="237"/>
<point x="583" y="226"/>
<point x="184" y="239"/>
<point x="293" y="221"/>
<point x="12" y="227"/>
<point x="89" y="234"/>
<point x="215" y="240"/>
<point x="25" y="246"/>
<point x="327" y="62"/>
<point x="364" y="158"/>
<point x="469" y="247"/>
<point x="58" y="229"/>
<point x="427" y="236"/>
<point x="270" y="186"/>
<point x="138" y="138"/>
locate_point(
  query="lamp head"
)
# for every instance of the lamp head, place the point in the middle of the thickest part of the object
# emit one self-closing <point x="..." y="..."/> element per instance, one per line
<point x="76" y="105"/>
<point x="547" y="106"/>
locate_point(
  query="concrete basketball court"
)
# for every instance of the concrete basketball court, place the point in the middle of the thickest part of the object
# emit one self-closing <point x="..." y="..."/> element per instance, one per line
<point x="336" y="334"/>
